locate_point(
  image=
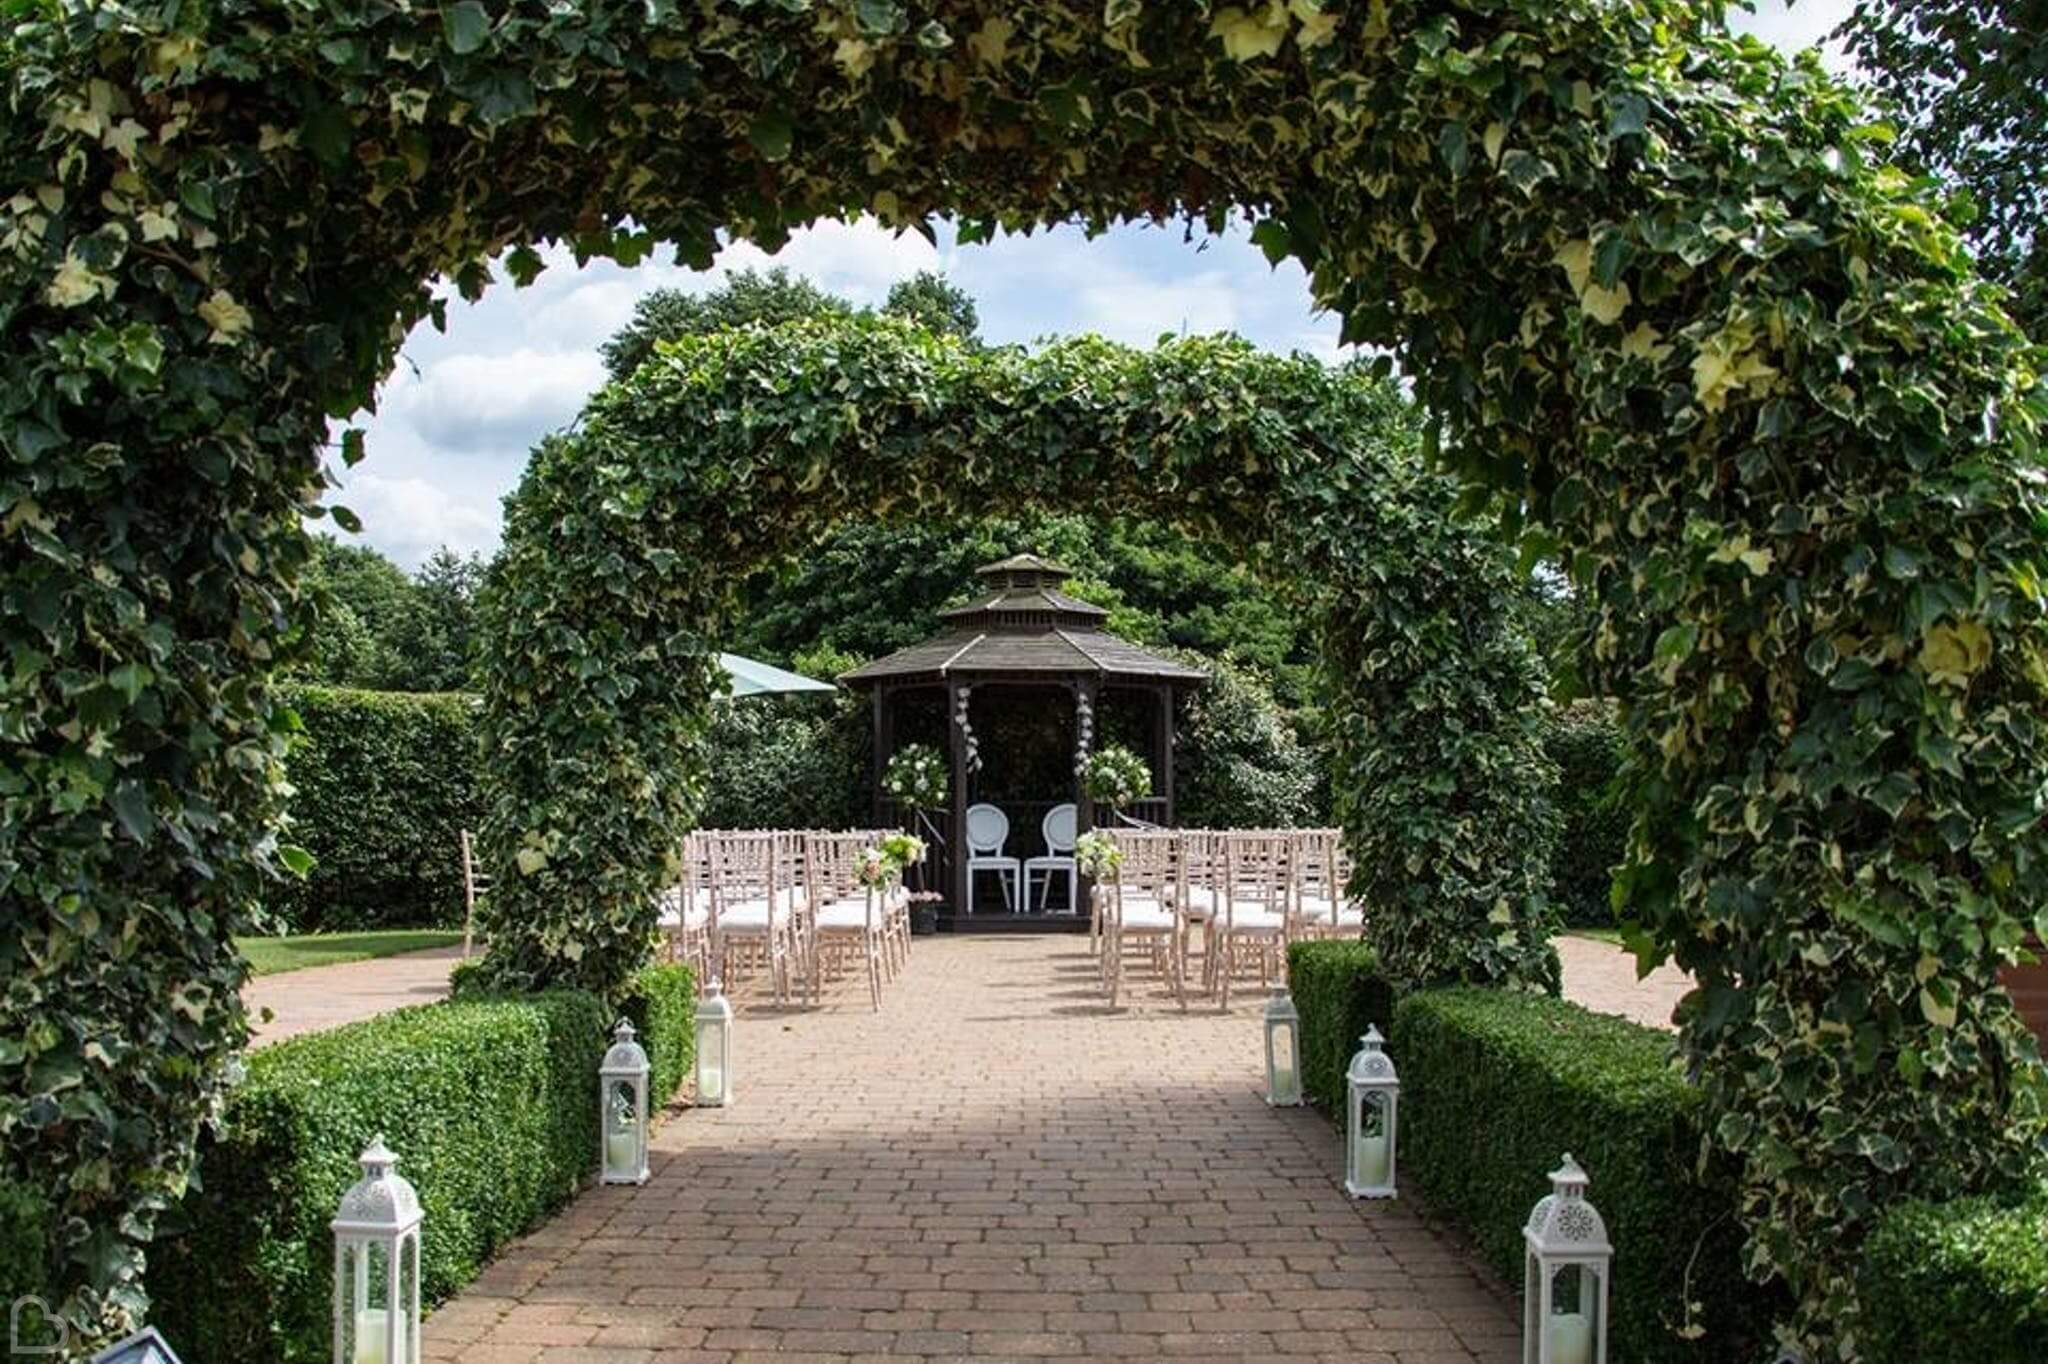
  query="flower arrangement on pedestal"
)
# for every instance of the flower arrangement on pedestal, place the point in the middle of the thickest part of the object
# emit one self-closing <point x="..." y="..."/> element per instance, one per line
<point x="1114" y="777"/>
<point x="1097" y="855"/>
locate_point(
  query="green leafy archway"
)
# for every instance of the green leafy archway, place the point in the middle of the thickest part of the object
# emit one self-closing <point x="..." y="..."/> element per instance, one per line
<point x="1653" y="284"/>
<point x="627" y="542"/>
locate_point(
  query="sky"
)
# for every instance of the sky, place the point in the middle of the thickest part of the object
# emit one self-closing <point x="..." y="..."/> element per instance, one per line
<point x="458" y="415"/>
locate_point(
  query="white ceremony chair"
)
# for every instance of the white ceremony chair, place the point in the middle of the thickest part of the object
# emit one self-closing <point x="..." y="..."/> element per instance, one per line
<point x="845" y="917"/>
<point x="1321" y="872"/>
<point x="753" y="906"/>
<point x="1059" y="827"/>
<point x="1138" y="908"/>
<point x="475" y="885"/>
<point x="988" y="829"/>
<point x="1253" y="922"/>
<point x="685" y="913"/>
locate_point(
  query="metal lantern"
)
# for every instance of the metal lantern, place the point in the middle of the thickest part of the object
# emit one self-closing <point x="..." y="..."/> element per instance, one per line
<point x="1373" y="1094"/>
<point x="622" y="1110"/>
<point x="714" y="1049"/>
<point x="1283" y="1050"/>
<point x="377" y="1266"/>
<point x="1564" y="1300"/>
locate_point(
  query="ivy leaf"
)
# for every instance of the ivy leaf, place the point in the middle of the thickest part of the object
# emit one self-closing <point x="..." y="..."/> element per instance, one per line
<point x="1453" y="144"/>
<point x="352" y="447"/>
<point x="346" y="519"/>
<point x="466" y="24"/>
<point x="1273" y="238"/>
<point x="1628" y="114"/>
<point x="771" y="133"/>
<point x="296" y="860"/>
<point x="131" y="808"/>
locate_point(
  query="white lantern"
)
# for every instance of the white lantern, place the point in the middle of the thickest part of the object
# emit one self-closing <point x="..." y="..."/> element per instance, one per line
<point x="1373" y="1094"/>
<point x="1283" y="1050"/>
<point x="714" y="1049"/>
<point x="377" y="1266"/>
<point x="1564" y="1300"/>
<point x="622" y="1110"/>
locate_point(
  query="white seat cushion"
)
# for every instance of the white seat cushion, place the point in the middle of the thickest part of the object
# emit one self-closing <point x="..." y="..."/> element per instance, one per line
<point x="1244" y="918"/>
<point x="1316" y="909"/>
<point x="989" y="862"/>
<point x="675" y="913"/>
<point x="1146" y="912"/>
<point x="751" y="915"/>
<point x="847" y="915"/>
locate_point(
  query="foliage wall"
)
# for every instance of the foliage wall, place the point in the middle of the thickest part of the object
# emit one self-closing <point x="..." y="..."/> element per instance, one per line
<point x="1659" y="290"/>
<point x="383" y="783"/>
<point x="1586" y="742"/>
<point x="1238" y="760"/>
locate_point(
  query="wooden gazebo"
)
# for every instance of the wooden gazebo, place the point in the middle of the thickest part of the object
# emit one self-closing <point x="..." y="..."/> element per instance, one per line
<point x="998" y="661"/>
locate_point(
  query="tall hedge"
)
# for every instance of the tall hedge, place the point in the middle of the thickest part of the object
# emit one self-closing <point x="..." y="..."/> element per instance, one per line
<point x="383" y="783"/>
<point x="1339" y="991"/>
<point x="1964" y="1281"/>
<point x="1585" y="740"/>
<point x="1496" y="1085"/>
<point x="489" y="1103"/>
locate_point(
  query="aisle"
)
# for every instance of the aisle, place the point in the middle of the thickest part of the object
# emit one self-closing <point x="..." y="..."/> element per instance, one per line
<point x="992" y="1166"/>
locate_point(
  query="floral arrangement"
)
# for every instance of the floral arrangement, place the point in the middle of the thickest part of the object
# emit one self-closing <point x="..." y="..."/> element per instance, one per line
<point x="882" y="865"/>
<point x="1115" y="776"/>
<point x="1097" y="855"/>
<point x="917" y="776"/>
<point x="906" y="850"/>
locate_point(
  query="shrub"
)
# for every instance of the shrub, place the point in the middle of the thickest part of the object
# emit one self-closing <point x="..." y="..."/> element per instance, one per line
<point x="1338" y="990"/>
<point x="1496" y="1085"/>
<point x="1966" y="1280"/>
<point x="1585" y="741"/>
<point x="787" y="763"/>
<point x="488" y="1102"/>
<point x="661" y="1001"/>
<point x="1239" y="762"/>
<point x="384" y="783"/>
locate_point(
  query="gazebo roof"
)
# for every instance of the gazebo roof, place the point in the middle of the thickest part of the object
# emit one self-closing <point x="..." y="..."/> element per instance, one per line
<point x="1025" y="627"/>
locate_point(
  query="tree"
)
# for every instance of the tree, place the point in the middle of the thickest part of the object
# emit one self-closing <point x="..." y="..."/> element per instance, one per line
<point x="435" y="644"/>
<point x="375" y="627"/>
<point x="1969" y="79"/>
<point x="747" y="296"/>
<point x="934" y="302"/>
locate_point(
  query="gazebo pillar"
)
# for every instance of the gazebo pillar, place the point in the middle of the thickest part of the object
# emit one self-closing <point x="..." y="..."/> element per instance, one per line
<point x="884" y="741"/>
<point x="1162" y="748"/>
<point x="957" y="699"/>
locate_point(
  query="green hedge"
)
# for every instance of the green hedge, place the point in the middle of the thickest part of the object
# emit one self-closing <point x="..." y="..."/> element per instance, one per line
<point x="383" y="785"/>
<point x="661" y="1001"/>
<point x="1963" y="1281"/>
<point x="1497" y="1085"/>
<point x="490" y="1104"/>
<point x="1338" y="990"/>
<point x="1584" y="739"/>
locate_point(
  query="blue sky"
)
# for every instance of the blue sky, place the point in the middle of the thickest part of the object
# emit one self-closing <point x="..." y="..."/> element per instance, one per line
<point x="457" y="417"/>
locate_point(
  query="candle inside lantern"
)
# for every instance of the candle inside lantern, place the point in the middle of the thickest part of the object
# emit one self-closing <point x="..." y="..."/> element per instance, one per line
<point x="370" y="1328"/>
<point x="1372" y="1161"/>
<point x="710" y="1081"/>
<point x="620" y="1152"/>
<point x="1571" y="1338"/>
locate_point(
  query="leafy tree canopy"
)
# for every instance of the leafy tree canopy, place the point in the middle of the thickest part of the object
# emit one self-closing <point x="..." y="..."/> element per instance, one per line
<point x="1969" y="78"/>
<point x="375" y="627"/>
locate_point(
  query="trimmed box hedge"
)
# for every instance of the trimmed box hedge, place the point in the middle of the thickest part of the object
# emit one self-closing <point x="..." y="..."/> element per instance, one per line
<point x="383" y="783"/>
<point x="1497" y="1085"/>
<point x="1338" y="990"/>
<point x="661" y="1002"/>
<point x="491" y="1105"/>
<point x="1963" y="1281"/>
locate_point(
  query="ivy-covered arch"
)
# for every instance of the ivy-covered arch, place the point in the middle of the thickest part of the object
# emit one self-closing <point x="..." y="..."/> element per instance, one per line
<point x="628" y="539"/>
<point x="1655" y="285"/>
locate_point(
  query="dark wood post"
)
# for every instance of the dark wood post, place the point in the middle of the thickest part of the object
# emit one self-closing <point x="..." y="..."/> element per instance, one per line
<point x="1165" y="751"/>
<point x="956" y="748"/>
<point x="884" y="741"/>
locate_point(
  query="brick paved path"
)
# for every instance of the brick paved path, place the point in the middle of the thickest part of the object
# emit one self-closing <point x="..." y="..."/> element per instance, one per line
<point x="1602" y="976"/>
<point x="993" y="1166"/>
<point x="329" y="996"/>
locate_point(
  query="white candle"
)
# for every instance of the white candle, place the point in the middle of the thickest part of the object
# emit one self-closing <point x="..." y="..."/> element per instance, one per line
<point x="1571" y="1338"/>
<point x="621" y="1153"/>
<point x="1283" y="1081"/>
<point x="1372" y="1161"/>
<point x="711" y="1082"/>
<point x="370" y="1327"/>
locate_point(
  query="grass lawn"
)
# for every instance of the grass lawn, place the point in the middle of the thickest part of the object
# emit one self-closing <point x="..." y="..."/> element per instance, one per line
<point x="269" y="956"/>
<point x="1606" y="935"/>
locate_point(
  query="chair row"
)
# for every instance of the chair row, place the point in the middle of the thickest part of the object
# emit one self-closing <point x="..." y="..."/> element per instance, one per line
<point x="1242" y="895"/>
<point x="789" y="902"/>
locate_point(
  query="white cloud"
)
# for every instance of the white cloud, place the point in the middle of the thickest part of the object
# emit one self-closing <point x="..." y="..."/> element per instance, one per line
<point x="492" y="402"/>
<point x="409" y="518"/>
